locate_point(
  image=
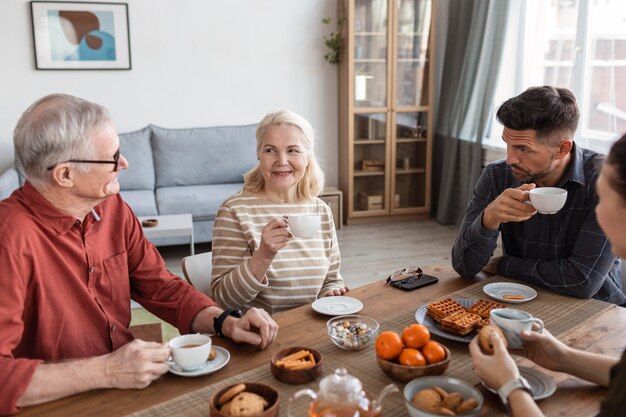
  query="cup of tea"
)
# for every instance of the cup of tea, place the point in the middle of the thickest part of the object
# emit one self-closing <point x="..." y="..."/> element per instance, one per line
<point x="304" y="225"/>
<point x="547" y="200"/>
<point x="190" y="351"/>
<point x="513" y="322"/>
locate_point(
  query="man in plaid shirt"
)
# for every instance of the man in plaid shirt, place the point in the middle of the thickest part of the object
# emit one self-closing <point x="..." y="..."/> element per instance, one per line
<point x="567" y="251"/>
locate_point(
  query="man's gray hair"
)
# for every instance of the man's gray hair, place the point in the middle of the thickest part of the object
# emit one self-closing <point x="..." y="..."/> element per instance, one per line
<point x="55" y="129"/>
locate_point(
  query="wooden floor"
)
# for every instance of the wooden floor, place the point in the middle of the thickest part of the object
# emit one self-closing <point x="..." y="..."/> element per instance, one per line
<point x="370" y="252"/>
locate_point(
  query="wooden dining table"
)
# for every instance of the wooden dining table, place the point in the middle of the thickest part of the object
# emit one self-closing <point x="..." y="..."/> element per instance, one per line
<point x="302" y="326"/>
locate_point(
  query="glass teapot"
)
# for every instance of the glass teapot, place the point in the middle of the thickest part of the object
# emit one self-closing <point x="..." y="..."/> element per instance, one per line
<point x="341" y="395"/>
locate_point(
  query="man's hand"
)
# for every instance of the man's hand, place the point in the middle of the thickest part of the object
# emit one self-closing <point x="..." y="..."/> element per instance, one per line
<point x="509" y="206"/>
<point x="341" y="291"/>
<point x="497" y="369"/>
<point x="255" y="327"/>
<point x="136" y="364"/>
<point x="492" y="265"/>
<point x="274" y="236"/>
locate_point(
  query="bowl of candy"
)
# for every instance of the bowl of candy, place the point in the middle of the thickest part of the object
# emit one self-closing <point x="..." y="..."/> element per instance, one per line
<point x="352" y="332"/>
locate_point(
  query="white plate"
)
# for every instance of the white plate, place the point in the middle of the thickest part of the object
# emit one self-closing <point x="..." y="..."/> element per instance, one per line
<point x="222" y="356"/>
<point x="541" y="385"/>
<point x="498" y="290"/>
<point x="337" y="305"/>
<point x="435" y="328"/>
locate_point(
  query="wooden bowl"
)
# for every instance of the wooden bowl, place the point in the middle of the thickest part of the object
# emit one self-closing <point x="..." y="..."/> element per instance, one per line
<point x="265" y="391"/>
<point x="404" y="373"/>
<point x="296" y="376"/>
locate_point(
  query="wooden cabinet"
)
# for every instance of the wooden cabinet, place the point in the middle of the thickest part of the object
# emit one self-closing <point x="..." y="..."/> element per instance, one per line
<point x="334" y="198"/>
<point x="385" y="109"/>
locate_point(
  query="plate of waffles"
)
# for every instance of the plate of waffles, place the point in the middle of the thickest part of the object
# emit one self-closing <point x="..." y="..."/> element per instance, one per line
<point x="509" y="292"/>
<point x="456" y="319"/>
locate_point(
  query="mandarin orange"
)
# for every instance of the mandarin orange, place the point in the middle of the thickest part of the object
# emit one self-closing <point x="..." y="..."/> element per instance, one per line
<point x="433" y="352"/>
<point x="415" y="336"/>
<point x="411" y="357"/>
<point x="388" y="345"/>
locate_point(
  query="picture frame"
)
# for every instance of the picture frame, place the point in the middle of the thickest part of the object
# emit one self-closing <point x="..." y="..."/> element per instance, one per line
<point x="80" y="36"/>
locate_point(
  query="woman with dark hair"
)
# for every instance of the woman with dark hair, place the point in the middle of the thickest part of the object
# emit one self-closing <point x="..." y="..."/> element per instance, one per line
<point x="546" y="350"/>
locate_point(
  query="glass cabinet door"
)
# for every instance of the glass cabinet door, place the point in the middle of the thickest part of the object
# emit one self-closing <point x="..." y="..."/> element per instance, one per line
<point x="370" y="53"/>
<point x="370" y="158"/>
<point x="412" y="52"/>
<point x="411" y="132"/>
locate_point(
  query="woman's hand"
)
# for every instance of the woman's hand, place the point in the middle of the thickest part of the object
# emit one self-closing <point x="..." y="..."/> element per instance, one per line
<point x="497" y="369"/>
<point x="544" y="349"/>
<point x="341" y="291"/>
<point x="274" y="236"/>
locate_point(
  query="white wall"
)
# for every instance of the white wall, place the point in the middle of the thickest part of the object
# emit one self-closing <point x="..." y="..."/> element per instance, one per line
<point x="194" y="63"/>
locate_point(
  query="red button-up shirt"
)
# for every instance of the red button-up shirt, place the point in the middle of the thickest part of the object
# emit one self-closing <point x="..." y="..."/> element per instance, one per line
<point x="66" y="285"/>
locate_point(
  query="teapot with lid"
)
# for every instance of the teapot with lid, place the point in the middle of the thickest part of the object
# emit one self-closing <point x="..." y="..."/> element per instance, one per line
<point x="341" y="395"/>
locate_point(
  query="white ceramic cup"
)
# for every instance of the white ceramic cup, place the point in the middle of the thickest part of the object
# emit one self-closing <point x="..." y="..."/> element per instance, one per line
<point x="547" y="200"/>
<point x="304" y="225"/>
<point x="190" y="351"/>
<point x="513" y="322"/>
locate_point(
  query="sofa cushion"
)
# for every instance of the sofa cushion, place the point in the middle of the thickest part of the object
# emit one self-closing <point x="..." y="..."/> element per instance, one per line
<point x="9" y="181"/>
<point x="202" y="201"/>
<point x="141" y="201"/>
<point x="200" y="156"/>
<point x="136" y="148"/>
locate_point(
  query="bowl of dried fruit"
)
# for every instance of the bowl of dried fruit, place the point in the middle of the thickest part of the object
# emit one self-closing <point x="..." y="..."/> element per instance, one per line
<point x="296" y="365"/>
<point x="245" y="399"/>
<point x="353" y="332"/>
<point x="433" y="396"/>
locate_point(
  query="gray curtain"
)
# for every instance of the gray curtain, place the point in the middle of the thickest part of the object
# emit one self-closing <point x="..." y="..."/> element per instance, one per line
<point x="467" y="77"/>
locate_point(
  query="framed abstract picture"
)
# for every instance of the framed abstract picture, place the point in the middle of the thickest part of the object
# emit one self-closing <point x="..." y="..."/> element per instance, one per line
<point x="74" y="35"/>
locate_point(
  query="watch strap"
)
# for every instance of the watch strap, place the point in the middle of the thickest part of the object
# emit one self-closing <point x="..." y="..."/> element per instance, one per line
<point x="219" y="321"/>
<point x="505" y="390"/>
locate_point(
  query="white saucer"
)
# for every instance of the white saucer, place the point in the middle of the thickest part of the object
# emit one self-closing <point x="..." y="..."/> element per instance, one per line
<point x="498" y="290"/>
<point x="541" y="385"/>
<point x="337" y="305"/>
<point x="222" y="356"/>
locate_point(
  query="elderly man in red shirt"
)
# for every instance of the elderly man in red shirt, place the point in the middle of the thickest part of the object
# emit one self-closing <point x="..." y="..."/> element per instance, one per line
<point x="72" y="256"/>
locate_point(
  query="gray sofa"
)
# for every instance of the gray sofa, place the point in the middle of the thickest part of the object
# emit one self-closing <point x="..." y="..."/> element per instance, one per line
<point x="175" y="171"/>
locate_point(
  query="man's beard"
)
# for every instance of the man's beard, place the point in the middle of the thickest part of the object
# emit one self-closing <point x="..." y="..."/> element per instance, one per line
<point x="527" y="177"/>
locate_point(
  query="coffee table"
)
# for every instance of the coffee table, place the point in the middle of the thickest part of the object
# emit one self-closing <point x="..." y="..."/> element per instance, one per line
<point x="173" y="225"/>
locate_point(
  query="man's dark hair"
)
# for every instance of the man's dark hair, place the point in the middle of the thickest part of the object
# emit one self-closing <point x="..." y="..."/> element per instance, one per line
<point x="617" y="159"/>
<point x="551" y="111"/>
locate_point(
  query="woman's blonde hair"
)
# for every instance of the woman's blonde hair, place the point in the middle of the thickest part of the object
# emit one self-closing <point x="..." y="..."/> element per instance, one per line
<point x="312" y="182"/>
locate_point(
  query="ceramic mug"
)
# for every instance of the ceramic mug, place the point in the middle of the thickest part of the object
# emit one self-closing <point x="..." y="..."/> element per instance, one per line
<point x="513" y="322"/>
<point x="304" y="225"/>
<point x="547" y="200"/>
<point x="190" y="351"/>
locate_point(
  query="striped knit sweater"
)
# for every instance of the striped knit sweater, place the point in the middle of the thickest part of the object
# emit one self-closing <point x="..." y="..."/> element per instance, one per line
<point x="301" y="272"/>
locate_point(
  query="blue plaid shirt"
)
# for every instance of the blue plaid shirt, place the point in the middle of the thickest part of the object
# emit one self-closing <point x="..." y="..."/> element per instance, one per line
<point x="566" y="252"/>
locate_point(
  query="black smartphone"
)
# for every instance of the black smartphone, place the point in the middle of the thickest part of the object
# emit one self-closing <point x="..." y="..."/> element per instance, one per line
<point x="415" y="282"/>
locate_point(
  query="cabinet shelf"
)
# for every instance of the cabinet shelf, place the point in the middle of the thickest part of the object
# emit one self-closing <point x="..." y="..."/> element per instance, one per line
<point x="369" y="141"/>
<point x="411" y="140"/>
<point x="361" y="173"/>
<point x="400" y="171"/>
<point x="370" y="61"/>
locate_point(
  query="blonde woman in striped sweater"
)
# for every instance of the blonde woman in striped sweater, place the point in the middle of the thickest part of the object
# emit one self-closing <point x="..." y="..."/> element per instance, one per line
<point x="256" y="260"/>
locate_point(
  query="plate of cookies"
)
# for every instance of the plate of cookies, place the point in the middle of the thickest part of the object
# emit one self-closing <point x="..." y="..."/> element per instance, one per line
<point x="456" y="319"/>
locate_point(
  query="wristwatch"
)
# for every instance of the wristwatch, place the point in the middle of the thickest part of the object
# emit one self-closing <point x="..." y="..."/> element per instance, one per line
<point x="506" y="389"/>
<point x="219" y="321"/>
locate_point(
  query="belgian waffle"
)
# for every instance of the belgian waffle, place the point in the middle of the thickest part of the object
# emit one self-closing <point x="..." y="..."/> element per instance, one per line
<point x="461" y="322"/>
<point x="483" y="307"/>
<point x="443" y="308"/>
<point x="481" y="324"/>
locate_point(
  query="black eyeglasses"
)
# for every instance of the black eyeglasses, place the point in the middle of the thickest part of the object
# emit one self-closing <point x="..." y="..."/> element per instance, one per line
<point x="402" y="274"/>
<point x="116" y="159"/>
